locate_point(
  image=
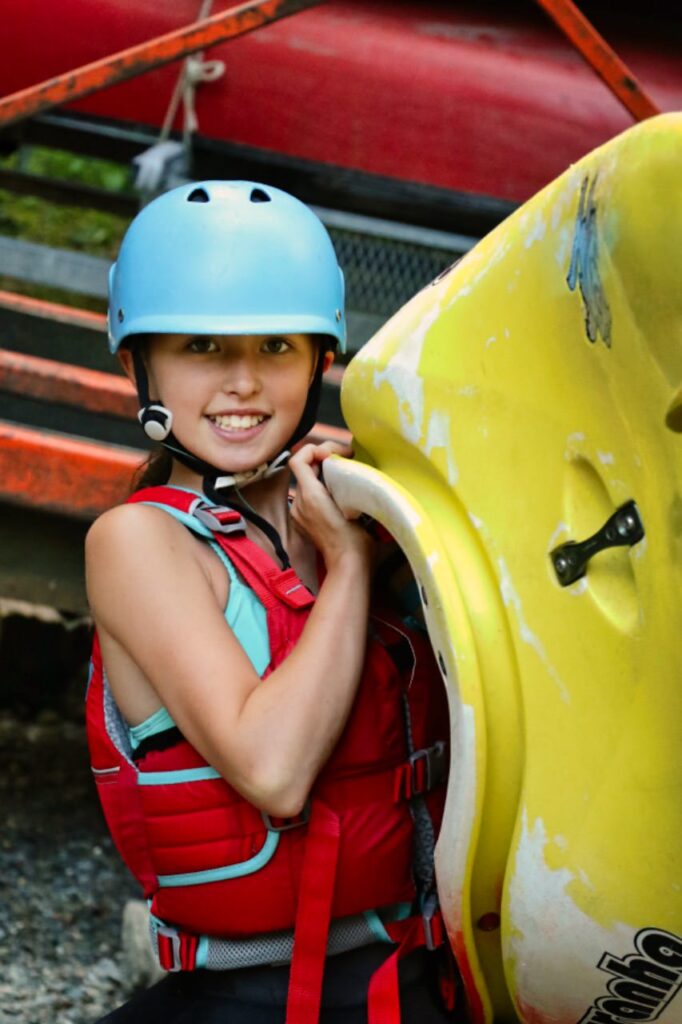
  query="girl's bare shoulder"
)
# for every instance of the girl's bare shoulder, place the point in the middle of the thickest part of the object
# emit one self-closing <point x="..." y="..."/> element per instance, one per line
<point x="125" y="529"/>
<point x="133" y="550"/>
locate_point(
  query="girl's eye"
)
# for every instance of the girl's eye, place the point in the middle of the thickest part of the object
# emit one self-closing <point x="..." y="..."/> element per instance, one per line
<point x="203" y="345"/>
<point x="276" y="345"/>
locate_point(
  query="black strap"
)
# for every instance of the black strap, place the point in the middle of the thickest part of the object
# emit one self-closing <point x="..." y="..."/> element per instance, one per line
<point x="214" y="495"/>
<point x="163" y="740"/>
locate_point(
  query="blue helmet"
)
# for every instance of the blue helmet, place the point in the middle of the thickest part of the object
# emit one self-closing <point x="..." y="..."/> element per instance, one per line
<point x="226" y="257"/>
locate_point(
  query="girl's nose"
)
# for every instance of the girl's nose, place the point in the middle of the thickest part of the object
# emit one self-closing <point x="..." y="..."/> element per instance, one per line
<point x="241" y="378"/>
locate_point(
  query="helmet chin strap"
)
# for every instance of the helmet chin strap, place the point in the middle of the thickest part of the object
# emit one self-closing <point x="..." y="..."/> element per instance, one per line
<point x="157" y="422"/>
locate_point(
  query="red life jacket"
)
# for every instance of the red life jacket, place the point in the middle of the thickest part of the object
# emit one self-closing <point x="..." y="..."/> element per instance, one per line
<point x="211" y="863"/>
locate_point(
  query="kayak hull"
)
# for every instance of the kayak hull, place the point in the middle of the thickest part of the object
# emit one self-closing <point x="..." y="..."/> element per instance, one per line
<point x="519" y="402"/>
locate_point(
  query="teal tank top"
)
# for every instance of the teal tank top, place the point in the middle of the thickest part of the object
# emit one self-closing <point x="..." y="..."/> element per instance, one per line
<point x="244" y="614"/>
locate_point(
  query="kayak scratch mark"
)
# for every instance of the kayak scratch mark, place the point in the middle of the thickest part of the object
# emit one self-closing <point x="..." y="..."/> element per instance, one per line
<point x="512" y="599"/>
<point x="584" y="268"/>
<point x="438" y="435"/>
<point x="561" y="530"/>
<point x="401" y="373"/>
<point x="537" y="232"/>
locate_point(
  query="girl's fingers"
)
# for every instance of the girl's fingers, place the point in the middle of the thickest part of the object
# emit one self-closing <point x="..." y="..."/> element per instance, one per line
<point x="313" y="507"/>
<point x="311" y="498"/>
<point x="310" y="454"/>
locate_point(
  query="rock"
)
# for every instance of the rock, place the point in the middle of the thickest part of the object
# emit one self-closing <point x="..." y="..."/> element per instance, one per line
<point x="140" y="966"/>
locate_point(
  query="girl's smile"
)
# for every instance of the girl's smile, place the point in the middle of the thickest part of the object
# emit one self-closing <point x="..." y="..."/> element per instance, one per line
<point x="238" y="426"/>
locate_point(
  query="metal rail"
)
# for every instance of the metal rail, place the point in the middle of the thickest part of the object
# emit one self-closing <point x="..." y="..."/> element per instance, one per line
<point x="603" y="60"/>
<point x="55" y="312"/>
<point x="51" y="381"/>
<point x="62" y="474"/>
<point x="118" y="67"/>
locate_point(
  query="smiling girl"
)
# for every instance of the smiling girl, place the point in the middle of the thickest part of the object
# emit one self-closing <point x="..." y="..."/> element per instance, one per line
<point x="269" y="754"/>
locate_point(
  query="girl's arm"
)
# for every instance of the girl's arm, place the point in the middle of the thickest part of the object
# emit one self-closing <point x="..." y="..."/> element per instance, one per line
<point x="151" y="598"/>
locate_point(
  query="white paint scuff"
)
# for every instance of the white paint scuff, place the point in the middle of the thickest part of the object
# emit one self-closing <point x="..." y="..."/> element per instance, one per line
<point x="402" y="374"/>
<point x="454" y="840"/>
<point x="487" y="264"/>
<point x="438" y="435"/>
<point x="561" y="530"/>
<point x="553" y="945"/>
<point x="537" y="232"/>
<point x="511" y="599"/>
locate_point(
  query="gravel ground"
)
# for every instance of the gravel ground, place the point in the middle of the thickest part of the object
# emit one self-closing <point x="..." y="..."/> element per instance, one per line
<point x="62" y="884"/>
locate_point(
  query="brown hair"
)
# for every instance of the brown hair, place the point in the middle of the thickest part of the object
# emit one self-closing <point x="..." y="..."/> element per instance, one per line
<point x="156" y="468"/>
<point x="154" y="471"/>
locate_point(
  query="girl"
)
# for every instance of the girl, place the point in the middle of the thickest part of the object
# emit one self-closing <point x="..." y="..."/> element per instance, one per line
<point x="282" y="830"/>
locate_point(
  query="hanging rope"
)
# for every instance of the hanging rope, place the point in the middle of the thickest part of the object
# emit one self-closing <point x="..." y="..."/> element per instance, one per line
<point x="194" y="71"/>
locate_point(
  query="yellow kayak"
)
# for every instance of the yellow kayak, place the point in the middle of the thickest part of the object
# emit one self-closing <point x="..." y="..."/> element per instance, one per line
<point x="517" y="426"/>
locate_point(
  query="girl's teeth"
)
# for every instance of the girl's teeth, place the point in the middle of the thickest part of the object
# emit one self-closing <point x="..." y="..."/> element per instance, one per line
<point x="237" y="422"/>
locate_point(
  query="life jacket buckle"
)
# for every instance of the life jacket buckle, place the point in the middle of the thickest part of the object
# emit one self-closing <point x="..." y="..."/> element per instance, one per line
<point x="172" y="946"/>
<point x="428" y="767"/>
<point x="433" y="923"/>
<point x="219" y="518"/>
<point x="275" y="824"/>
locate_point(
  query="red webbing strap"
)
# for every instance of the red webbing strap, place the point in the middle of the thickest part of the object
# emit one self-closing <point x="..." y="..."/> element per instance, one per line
<point x="176" y="951"/>
<point x="383" y="1003"/>
<point x="272" y="586"/>
<point x="265" y="578"/>
<point x="163" y="495"/>
<point x="313" y="915"/>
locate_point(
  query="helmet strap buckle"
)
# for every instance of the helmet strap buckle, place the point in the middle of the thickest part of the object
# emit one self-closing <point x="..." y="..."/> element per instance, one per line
<point x="156" y="420"/>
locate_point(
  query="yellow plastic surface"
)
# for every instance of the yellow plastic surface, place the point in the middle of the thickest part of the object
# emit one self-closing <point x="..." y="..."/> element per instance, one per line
<point x="511" y="406"/>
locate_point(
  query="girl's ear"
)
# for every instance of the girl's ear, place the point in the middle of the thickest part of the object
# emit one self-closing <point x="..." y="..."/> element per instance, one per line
<point x="125" y="358"/>
<point x="328" y="360"/>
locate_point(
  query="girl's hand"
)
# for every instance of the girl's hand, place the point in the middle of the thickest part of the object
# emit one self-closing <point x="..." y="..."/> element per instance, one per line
<point x="315" y="512"/>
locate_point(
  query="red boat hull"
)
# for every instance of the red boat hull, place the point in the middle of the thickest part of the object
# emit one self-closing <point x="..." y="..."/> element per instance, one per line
<point x="467" y="97"/>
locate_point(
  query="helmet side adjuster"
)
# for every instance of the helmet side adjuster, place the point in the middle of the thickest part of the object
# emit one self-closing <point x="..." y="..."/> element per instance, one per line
<point x="156" y="420"/>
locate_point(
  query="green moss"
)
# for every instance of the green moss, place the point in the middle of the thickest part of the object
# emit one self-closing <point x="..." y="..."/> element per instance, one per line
<point x="65" y="227"/>
<point x="61" y="226"/>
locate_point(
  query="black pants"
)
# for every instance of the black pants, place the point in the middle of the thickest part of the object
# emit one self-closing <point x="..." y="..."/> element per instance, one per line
<point x="257" y="995"/>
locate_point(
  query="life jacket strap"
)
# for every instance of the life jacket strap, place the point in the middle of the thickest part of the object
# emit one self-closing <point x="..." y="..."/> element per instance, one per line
<point x="423" y="771"/>
<point x="425" y="930"/>
<point x="274" y="824"/>
<point x="177" y="951"/>
<point x="218" y="518"/>
<point x="313" y="915"/>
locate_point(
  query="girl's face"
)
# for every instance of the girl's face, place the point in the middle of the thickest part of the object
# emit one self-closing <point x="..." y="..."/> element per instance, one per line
<point x="236" y="400"/>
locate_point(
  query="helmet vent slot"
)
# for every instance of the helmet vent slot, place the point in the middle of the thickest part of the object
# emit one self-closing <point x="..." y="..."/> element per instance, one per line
<point x="259" y="195"/>
<point x="198" y="195"/>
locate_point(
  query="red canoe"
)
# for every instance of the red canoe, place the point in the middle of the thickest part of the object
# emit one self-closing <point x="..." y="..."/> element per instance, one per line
<point x="470" y="97"/>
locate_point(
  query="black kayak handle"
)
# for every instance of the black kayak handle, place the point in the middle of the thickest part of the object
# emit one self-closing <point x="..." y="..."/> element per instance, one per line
<point x="624" y="529"/>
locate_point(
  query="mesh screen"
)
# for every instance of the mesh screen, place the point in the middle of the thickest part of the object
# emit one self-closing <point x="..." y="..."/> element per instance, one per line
<point x="226" y="954"/>
<point x="383" y="273"/>
<point x="114" y="722"/>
